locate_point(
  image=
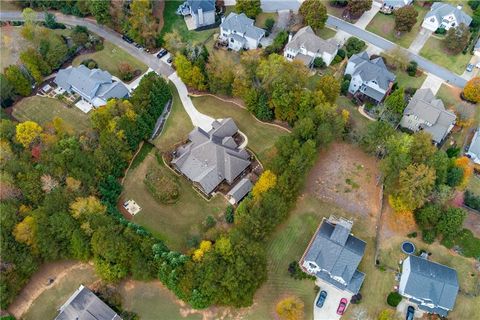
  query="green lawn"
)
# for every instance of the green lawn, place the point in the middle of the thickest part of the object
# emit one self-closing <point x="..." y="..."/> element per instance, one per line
<point x="326" y="33"/>
<point x="109" y="59"/>
<point x="433" y="50"/>
<point x="450" y="96"/>
<point x="42" y="110"/>
<point x="358" y="121"/>
<point x="384" y="26"/>
<point x="474" y="184"/>
<point x="11" y="45"/>
<point x="261" y="137"/>
<point x="262" y="17"/>
<point x="405" y="81"/>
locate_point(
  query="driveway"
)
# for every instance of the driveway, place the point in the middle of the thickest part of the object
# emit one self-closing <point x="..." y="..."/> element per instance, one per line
<point x="367" y="16"/>
<point x="420" y="40"/>
<point x="277" y="5"/>
<point x="432" y="82"/>
<point x="475" y="72"/>
<point x="402" y="309"/>
<point x="329" y="309"/>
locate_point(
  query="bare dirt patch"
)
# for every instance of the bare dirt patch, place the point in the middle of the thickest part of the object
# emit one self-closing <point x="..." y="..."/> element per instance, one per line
<point x="472" y="222"/>
<point x="347" y="176"/>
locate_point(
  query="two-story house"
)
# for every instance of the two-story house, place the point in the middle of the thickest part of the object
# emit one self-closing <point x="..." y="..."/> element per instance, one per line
<point x="426" y="113"/>
<point x="388" y="6"/>
<point x="202" y="12"/>
<point x="305" y="46"/>
<point x="370" y="78"/>
<point x="240" y="32"/>
<point x="432" y="286"/>
<point x="446" y="16"/>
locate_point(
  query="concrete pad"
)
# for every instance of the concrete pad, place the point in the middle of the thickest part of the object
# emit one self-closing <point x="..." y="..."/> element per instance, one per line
<point x="402" y="309"/>
<point x="84" y="106"/>
<point x="366" y="17"/>
<point x="190" y="23"/>
<point x="432" y="82"/>
<point x="371" y="49"/>
<point x="420" y="40"/>
<point x="329" y="309"/>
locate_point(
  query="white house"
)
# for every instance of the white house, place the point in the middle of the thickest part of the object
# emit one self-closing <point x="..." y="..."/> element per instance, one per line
<point x="446" y="16"/>
<point x="474" y="148"/>
<point x="201" y="11"/>
<point x="305" y="46"/>
<point x="476" y="49"/>
<point x="388" y="6"/>
<point x="240" y="32"/>
<point x="432" y="286"/>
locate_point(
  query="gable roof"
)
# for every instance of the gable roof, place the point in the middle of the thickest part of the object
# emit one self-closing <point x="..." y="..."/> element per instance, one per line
<point x="211" y="157"/>
<point x="306" y="37"/>
<point x="242" y="24"/>
<point x="205" y="5"/>
<point x="396" y="3"/>
<point x="474" y="148"/>
<point x="241" y="189"/>
<point x="431" y="281"/>
<point x="440" y="10"/>
<point x="85" y="305"/>
<point x="372" y="70"/>
<point x="338" y="254"/>
<point x="477" y="45"/>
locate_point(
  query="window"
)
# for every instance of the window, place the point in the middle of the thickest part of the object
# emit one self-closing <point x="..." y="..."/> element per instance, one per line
<point x="231" y="40"/>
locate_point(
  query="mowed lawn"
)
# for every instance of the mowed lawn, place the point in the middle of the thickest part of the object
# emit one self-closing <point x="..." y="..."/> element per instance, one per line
<point x="110" y="58"/>
<point x="405" y="81"/>
<point x="434" y="51"/>
<point x="261" y="136"/>
<point x="384" y="26"/>
<point x="11" y="44"/>
<point x="43" y="110"/>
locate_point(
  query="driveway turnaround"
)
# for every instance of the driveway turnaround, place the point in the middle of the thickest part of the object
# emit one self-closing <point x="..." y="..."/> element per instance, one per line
<point x="367" y="16"/>
<point x="420" y="40"/>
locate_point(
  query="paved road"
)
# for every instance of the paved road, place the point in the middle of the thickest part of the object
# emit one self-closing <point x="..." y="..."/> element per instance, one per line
<point x="384" y="44"/>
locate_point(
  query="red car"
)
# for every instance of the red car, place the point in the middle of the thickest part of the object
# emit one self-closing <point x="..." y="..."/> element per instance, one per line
<point x="342" y="306"/>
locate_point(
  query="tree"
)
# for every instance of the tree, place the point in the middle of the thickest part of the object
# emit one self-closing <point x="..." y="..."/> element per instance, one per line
<point x="126" y="71"/>
<point x="27" y="132"/>
<point x="25" y="231"/>
<point x="174" y="42"/>
<point x="395" y="102"/>
<point x="356" y="8"/>
<point x="6" y="91"/>
<point x="83" y="207"/>
<point x="451" y="222"/>
<point x="375" y="138"/>
<point x="191" y="75"/>
<point x="466" y="166"/>
<point x="457" y="39"/>
<point x="18" y="80"/>
<point x="269" y="23"/>
<point x="314" y="14"/>
<point x="29" y="16"/>
<point x="290" y="308"/>
<point x="471" y="91"/>
<point x="405" y="18"/>
<point x="353" y="46"/>
<point x="220" y="74"/>
<point x="330" y="87"/>
<point x="143" y="26"/>
<point x="50" y="20"/>
<point x="267" y="180"/>
<point x="100" y="9"/>
<point x="252" y="8"/>
<point x="35" y="64"/>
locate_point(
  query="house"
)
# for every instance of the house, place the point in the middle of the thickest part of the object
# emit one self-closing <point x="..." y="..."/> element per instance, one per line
<point x="388" y="6"/>
<point x="424" y="112"/>
<point x="240" y="32"/>
<point x="446" y="16"/>
<point x="370" y="78"/>
<point x="334" y="254"/>
<point x="306" y="46"/>
<point x="476" y="49"/>
<point x="85" y="305"/>
<point x="201" y="11"/>
<point x="95" y="86"/>
<point x="209" y="158"/>
<point x="432" y="286"/>
<point x="474" y="149"/>
<point x="241" y="189"/>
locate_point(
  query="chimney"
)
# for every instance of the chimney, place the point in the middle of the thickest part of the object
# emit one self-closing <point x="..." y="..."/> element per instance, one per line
<point x="200" y="16"/>
<point x="289" y="36"/>
<point x="459" y="7"/>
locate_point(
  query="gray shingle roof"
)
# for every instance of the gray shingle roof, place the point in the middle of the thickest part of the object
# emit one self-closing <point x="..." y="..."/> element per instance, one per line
<point x="307" y="38"/>
<point x="243" y="25"/>
<point x="370" y="70"/>
<point x="241" y="189"/>
<point x="474" y="148"/>
<point x="85" y="305"/>
<point x="211" y="157"/>
<point x="397" y="3"/>
<point x="338" y="253"/>
<point x="205" y="5"/>
<point x="431" y="281"/>
<point x="477" y="45"/>
<point x="440" y="9"/>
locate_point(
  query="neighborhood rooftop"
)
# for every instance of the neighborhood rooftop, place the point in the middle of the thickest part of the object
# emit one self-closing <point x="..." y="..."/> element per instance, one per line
<point x="242" y="24"/>
<point x="307" y="39"/>
<point x="241" y="189"/>
<point x="205" y="5"/>
<point x="440" y="10"/>
<point x="474" y="148"/>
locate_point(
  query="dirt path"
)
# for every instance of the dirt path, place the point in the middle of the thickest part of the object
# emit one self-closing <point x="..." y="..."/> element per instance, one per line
<point x="40" y="282"/>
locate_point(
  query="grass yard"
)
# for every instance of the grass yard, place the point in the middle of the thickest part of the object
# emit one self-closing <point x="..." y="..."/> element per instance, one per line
<point x="8" y="5"/>
<point x="261" y="137"/>
<point x="449" y="95"/>
<point x="110" y="57"/>
<point x="405" y="81"/>
<point x="359" y="122"/>
<point x="334" y="11"/>
<point x="384" y="26"/>
<point x="474" y="184"/>
<point x="11" y="44"/>
<point x="43" y="110"/>
<point x="262" y="17"/>
<point x="433" y="50"/>
<point x="326" y="33"/>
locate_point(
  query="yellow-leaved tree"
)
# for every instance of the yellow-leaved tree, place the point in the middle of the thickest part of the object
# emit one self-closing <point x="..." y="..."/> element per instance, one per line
<point x="198" y="254"/>
<point x="471" y="91"/>
<point x="25" y="231"/>
<point x="465" y="164"/>
<point x="267" y="180"/>
<point x="290" y="308"/>
<point x="86" y="206"/>
<point x="27" y="132"/>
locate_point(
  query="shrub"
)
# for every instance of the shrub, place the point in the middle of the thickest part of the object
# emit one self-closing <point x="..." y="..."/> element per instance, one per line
<point x="453" y="152"/>
<point x="412" y="235"/>
<point x="394" y="299"/>
<point x="337" y="59"/>
<point x="341" y="53"/>
<point x="429" y="235"/>
<point x="353" y="46"/>
<point x="209" y="222"/>
<point x="469" y="244"/>
<point x="347" y="77"/>
<point x="344" y="87"/>
<point x="412" y="68"/>
<point x="278" y="43"/>
<point x="441" y="31"/>
<point x="90" y="63"/>
<point x="471" y="200"/>
<point x="448" y="242"/>
<point x="161" y="186"/>
<point x="356" y="298"/>
<point x="319" y="63"/>
<point x="193" y="241"/>
<point x="99" y="47"/>
<point x="126" y="71"/>
<point x="229" y="214"/>
<point x="269" y="23"/>
<point x="297" y="273"/>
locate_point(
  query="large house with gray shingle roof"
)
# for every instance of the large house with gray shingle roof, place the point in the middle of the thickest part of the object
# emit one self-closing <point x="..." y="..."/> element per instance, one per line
<point x="432" y="286"/>
<point x="305" y="46"/>
<point x="201" y="11"/>
<point x="209" y="158"/>
<point x="370" y="78"/>
<point x="426" y="113"/>
<point x="446" y="16"/>
<point x="240" y="32"/>
<point x="388" y="6"/>
<point x="94" y="85"/>
<point x="334" y="254"/>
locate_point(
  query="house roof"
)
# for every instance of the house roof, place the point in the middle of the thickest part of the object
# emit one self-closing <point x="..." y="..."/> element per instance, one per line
<point x="85" y="305"/>
<point x="424" y="105"/>
<point x="440" y="10"/>
<point x="474" y="148"/>
<point x="372" y="70"/>
<point x="211" y="157"/>
<point x="477" y="45"/>
<point x="205" y="5"/>
<point x="241" y="189"/>
<point x="243" y="25"/>
<point x="431" y="281"/>
<point x="338" y="254"/>
<point x="307" y="39"/>
<point x="396" y="3"/>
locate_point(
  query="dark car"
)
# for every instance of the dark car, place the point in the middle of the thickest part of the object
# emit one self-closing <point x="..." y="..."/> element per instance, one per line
<point x="321" y="299"/>
<point x="170" y="59"/>
<point x="342" y="306"/>
<point x="161" y="53"/>
<point x="138" y="45"/>
<point x="410" y="313"/>
<point x="127" y="39"/>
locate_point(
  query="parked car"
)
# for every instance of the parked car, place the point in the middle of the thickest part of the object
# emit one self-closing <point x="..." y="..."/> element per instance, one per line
<point x="470" y="67"/>
<point x="127" y="39"/>
<point x="161" y="53"/>
<point x="137" y="45"/>
<point x="410" y="313"/>
<point x="342" y="306"/>
<point x="169" y="60"/>
<point x="321" y="299"/>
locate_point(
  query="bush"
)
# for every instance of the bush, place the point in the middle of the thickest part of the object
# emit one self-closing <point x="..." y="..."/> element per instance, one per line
<point x="278" y="43"/>
<point x="347" y="77"/>
<point x="441" y="31"/>
<point x="229" y="214"/>
<point x="353" y="46"/>
<point x="344" y="87"/>
<point x="471" y="200"/>
<point x="99" y="47"/>
<point x="429" y="235"/>
<point x="319" y="63"/>
<point x="209" y="222"/>
<point x="394" y="299"/>
<point x="469" y="244"/>
<point x="269" y="23"/>
<point x="341" y="53"/>
<point x="161" y="186"/>
<point x="126" y="71"/>
<point x="336" y="60"/>
<point x="90" y="63"/>
<point x="448" y="242"/>
<point x="412" y="68"/>
<point x="412" y="235"/>
<point x="453" y="152"/>
<point x="356" y="298"/>
<point x="297" y="273"/>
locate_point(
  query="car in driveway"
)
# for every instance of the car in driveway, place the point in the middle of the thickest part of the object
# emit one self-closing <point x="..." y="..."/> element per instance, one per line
<point x="410" y="313"/>
<point x="161" y="53"/>
<point x="321" y="298"/>
<point x="470" y="67"/>
<point x="342" y="306"/>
